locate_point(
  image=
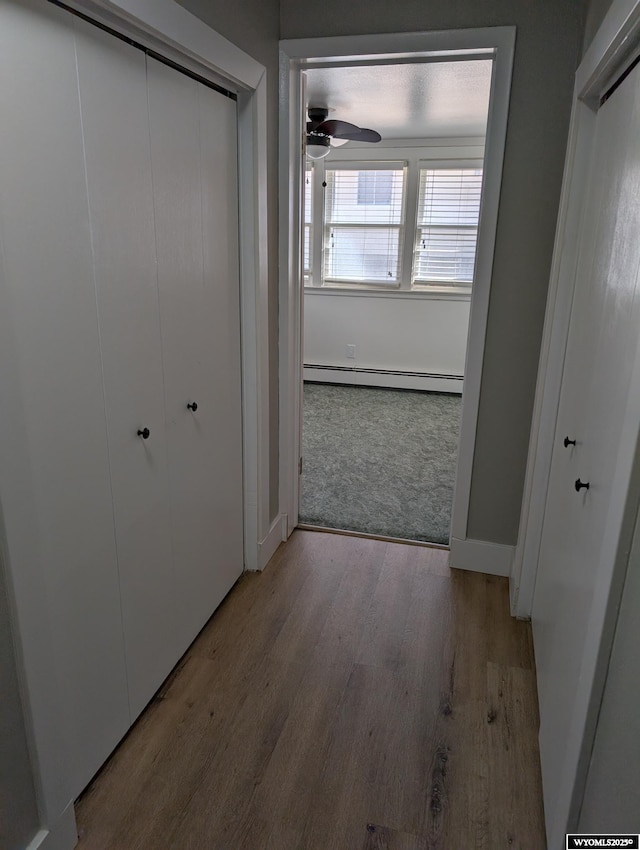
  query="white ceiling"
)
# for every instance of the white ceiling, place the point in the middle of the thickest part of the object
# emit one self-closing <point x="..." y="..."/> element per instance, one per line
<point x="407" y="101"/>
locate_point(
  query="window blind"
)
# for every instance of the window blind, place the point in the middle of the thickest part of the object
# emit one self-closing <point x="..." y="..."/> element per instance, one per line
<point x="447" y="225"/>
<point x="363" y="220"/>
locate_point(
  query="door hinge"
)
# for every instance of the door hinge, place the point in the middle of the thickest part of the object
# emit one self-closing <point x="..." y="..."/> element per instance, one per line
<point x="300" y="466"/>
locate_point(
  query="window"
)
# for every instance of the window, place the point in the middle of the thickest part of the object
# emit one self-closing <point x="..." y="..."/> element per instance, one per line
<point x="400" y="218"/>
<point x="363" y="218"/>
<point x="308" y="206"/>
<point x="447" y="226"/>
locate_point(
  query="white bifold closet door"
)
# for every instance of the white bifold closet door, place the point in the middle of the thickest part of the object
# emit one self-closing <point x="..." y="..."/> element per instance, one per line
<point x="193" y="154"/>
<point x="599" y="410"/>
<point x="55" y="489"/>
<point x="162" y="182"/>
<point x="113" y="96"/>
<point x="119" y="288"/>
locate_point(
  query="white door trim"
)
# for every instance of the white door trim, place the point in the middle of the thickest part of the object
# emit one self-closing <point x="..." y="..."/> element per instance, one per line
<point x="605" y="57"/>
<point x="171" y="31"/>
<point x="294" y="55"/>
<point x="165" y="26"/>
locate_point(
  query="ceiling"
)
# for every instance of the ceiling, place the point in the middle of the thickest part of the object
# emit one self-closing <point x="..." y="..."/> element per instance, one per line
<point x="407" y="101"/>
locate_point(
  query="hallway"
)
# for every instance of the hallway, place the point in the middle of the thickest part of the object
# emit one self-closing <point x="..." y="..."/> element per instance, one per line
<point x="356" y="694"/>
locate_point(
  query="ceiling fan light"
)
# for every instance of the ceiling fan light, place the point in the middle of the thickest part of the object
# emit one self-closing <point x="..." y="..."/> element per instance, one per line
<point x="318" y="146"/>
<point x="335" y="143"/>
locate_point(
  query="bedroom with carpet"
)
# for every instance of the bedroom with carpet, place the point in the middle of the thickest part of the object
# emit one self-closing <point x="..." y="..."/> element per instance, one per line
<point x="379" y="461"/>
<point x="390" y="231"/>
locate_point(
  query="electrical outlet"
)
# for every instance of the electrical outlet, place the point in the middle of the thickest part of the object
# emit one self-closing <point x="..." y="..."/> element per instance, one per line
<point x="351" y="352"/>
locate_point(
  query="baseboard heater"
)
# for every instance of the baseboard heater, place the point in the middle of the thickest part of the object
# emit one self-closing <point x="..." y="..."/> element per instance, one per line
<point x="391" y="378"/>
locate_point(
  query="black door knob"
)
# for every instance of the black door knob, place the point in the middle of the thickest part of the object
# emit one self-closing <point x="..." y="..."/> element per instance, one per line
<point x="568" y="442"/>
<point x="193" y="405"/>
<point x="581" y="485"/>
<point x="144" y="433"/>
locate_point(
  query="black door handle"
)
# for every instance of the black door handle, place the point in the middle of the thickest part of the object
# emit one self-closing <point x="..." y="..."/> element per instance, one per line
<point x="193" y="405"/>
<point x="581" y="485"/>
<point x="568" y="442"/>
<point x="144" y="433"/>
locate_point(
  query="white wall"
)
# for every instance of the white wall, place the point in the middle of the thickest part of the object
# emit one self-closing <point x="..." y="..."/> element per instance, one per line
<point x="395" y="332"/>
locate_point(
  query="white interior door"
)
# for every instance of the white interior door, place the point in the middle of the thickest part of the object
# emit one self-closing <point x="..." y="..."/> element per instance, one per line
<point x="601" y="412"/>
<point x="193" y="146"/>
<point x="85" y="511"/>
<point x="54" y="489"/>
<point x="113" y="94"/>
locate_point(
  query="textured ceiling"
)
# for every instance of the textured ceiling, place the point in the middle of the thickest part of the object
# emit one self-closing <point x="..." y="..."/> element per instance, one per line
<point x="407" y="101"/>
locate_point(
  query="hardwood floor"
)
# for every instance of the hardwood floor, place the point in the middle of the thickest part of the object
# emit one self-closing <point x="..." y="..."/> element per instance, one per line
<point x="356" y="695"/>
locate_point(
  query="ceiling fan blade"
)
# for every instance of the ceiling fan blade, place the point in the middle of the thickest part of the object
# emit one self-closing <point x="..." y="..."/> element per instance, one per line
<point x="347" y="131"/>
<point x="363" y="135"/>
<point x="336" y="128"/>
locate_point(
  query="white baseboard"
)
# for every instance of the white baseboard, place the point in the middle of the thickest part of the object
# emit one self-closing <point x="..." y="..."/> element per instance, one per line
<point x="277" y="534"/>
<point x="63" y="835"/>
<point x="384" y="378"/>
<point x="481" y="557"/>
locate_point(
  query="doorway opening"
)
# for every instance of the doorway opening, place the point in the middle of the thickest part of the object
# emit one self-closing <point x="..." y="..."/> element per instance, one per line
<point x="395" y="301"/>
<point x="390" y="232"/>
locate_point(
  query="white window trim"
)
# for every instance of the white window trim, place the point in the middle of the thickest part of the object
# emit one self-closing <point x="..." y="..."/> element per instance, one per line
<point x="423" y="294"/>
<point x="432" y="153"/>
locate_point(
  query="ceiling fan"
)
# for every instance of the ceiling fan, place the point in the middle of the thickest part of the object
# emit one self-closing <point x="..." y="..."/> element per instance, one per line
<point x="322" y="133"/>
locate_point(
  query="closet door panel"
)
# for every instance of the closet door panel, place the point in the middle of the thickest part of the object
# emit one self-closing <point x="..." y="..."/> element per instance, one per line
<point x="194" y="178"/>
<point x="219" y="146"/>
<point x="582" y="530"/>
<point x="113" y="96"/>
<point x="55" y="488"/>
<point x="560" y="570"/>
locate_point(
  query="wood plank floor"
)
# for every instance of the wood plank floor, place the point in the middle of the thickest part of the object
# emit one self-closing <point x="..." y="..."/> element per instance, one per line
<point x="356" y="695"/>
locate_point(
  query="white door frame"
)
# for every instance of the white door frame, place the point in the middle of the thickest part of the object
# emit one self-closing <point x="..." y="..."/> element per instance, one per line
<point x="603" y="61"/>
<point x="495" y="42"/>
<point x="166" y="28"/>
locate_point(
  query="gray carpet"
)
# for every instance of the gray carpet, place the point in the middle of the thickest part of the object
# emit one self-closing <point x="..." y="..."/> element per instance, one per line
<point x="379" y="461"/>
